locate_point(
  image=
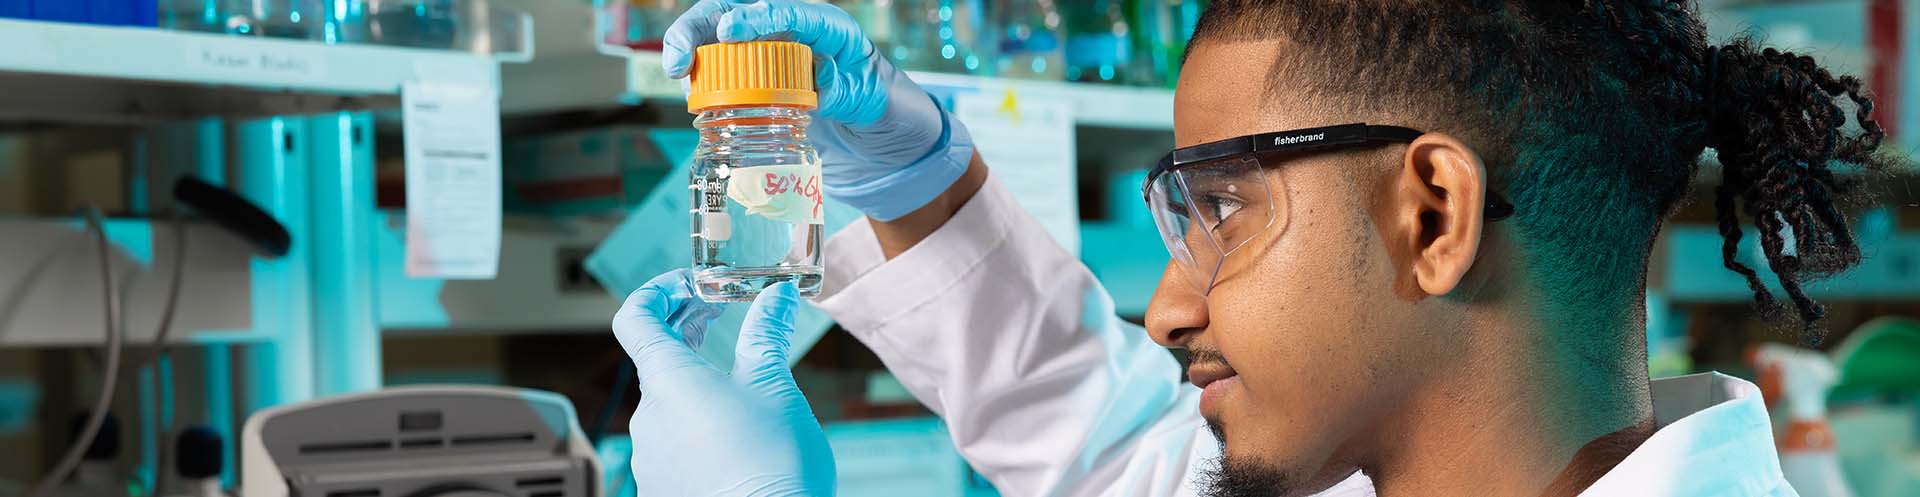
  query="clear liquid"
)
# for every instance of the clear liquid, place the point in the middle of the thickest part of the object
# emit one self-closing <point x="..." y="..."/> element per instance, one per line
<point x="758" y="155"/>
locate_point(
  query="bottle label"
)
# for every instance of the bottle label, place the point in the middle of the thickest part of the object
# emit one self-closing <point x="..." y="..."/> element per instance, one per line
<point x="787" y="193"/>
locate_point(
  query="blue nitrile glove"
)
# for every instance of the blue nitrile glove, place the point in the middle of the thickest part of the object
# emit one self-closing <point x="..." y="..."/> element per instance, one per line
<point x="700" y="432"/>
<point x="887" y="147"/>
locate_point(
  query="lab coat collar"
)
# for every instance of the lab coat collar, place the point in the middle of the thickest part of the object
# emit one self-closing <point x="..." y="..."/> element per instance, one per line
<point x="1714" y="440"/>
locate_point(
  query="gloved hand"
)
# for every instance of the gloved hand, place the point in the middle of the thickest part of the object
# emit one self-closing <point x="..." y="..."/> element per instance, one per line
<point x="700" y="432"/>
<point x="886" y="147"/>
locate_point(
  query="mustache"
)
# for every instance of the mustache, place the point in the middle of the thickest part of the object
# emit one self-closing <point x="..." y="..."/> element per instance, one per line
<point x="1209" y="357"/>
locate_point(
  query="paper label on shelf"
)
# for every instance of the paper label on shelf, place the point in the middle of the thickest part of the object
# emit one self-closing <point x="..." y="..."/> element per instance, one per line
<point x="240" y="60"/>
<point x="26" y="47"/>
<point x="786" y="193"/>
<point x="453" y="180"/>
<point x="1029" y="145"/>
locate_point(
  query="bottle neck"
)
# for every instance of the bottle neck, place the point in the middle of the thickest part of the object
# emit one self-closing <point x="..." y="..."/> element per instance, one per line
<point x="753" y="115"/>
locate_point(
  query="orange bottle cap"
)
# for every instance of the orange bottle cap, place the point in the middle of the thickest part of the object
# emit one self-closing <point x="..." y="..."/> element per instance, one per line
<point x="751" y="73"/>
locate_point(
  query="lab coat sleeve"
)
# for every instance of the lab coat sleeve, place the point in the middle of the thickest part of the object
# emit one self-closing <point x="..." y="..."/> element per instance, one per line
<point x="1009" y="338"/>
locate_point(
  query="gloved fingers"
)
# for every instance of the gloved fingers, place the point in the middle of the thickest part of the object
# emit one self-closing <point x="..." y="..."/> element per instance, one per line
<point x="823" y="27"/>
<point x="691" y="30"/>
<point x="827" y="87"/>
<point x="840" y="95"/>
<point x="691" y="319"/>
<point x="765" y="335"/>
<point x="642" y="326"/>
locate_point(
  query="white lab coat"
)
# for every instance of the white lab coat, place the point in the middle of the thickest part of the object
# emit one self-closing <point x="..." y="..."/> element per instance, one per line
<point x="1011" y="340"/>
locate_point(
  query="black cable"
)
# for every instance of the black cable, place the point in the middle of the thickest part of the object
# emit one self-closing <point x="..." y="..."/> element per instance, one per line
<point x="111" y="296"/>
<point x="618" y="397"/>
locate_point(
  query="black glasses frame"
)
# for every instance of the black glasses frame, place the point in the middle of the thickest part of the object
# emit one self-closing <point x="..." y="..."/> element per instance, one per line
<point x="1296" y="141"/>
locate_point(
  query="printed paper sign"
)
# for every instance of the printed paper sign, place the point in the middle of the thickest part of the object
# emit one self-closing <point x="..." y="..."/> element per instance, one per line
<point x="453" y="180"/>
<point x="786" y="193"/>
<point x="1029" y="145"/>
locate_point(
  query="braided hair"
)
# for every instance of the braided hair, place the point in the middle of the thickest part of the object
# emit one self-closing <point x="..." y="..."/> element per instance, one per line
<point x="1592" y="116"/>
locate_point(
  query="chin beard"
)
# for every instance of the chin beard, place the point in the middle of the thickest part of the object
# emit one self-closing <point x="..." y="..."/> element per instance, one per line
<point x="1239" y="477"/>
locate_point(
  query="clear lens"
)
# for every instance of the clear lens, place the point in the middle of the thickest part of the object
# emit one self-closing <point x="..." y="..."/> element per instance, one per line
<point x="1206" y="211"/>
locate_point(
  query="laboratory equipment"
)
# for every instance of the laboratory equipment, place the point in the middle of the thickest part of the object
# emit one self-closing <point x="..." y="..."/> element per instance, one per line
<point x="1801" y="378"/>
<point x="1161" y="29"/>
<point x="197" y="463"/>
<point x="272" y="18"/>
<point x="95" y="476"/>
<point x="223" y="207"/>
<point x="892" y="148"/>
<point x="1027" y="38"/>
<point x="103" y="12"/>
<point x="1098" y="41"/>
<point x="1882" y="355"/>
<point x="193" y="15"/>
<point x="421" y="441"/>
<point x="755" y="181"/>
<point x="635" y="24"/>
<point x="937" y="35"/>
<point x="1875" y="413"/>
<point x="582" y="172"/>
<point x="466" y="25"/>
<point x="87" y="440"/>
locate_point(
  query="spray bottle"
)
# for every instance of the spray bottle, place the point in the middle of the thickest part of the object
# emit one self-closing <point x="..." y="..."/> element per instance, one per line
<point x="1802" y="378"/>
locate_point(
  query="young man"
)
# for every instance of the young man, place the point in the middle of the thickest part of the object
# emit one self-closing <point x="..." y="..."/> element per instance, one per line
<point x="1409" y="241"/>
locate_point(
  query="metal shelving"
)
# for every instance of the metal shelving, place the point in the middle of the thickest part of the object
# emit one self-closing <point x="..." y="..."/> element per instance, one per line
<point x="76" y="72"/>
<point x="1093" y="105"/>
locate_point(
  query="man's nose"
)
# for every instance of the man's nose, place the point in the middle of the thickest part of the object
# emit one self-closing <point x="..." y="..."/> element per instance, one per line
<point x="1178" y="312"/>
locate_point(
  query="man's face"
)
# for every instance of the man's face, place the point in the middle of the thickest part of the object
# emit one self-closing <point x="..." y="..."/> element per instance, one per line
<point x="1304" y="341"/>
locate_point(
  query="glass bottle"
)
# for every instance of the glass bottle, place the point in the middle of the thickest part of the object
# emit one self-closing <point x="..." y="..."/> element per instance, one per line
<point x="1026" y="35"/>
<point x="635" y="24"/>
<point x="273" y="18"/>
<point x="193" y="15"/>
<point x="467" y="25"/>
<point x="1161" y="29"/>
<point x="755" y="181"/>
<point x="937" y="35"/>
<point x="1098" y="44"/>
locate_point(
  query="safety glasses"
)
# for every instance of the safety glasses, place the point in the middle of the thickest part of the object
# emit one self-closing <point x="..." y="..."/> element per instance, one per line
<point x="1210" y="199"/>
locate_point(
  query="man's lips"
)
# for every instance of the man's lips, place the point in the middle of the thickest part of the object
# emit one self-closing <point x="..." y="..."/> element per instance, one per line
<point x="1201" y="375"/>
<point x="1213" y="375"/>
<point x="1214" y="391"/>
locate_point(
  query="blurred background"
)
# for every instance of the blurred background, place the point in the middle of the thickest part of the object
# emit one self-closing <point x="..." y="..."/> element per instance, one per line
<point x="310" y="110"/>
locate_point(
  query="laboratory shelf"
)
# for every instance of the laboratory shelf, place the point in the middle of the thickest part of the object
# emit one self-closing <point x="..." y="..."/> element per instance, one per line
<point x="1111" y="106"/>
<point x="1093" y="105"/>
<point x="57" y="71"/>
<point x="1688" y="269"/>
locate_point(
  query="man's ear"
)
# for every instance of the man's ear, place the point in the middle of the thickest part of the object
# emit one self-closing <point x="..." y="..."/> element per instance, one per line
<point x="1436" y="211"/>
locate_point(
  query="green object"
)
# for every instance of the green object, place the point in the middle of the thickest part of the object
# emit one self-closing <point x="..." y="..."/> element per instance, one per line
<point x="1882" y="356"/>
